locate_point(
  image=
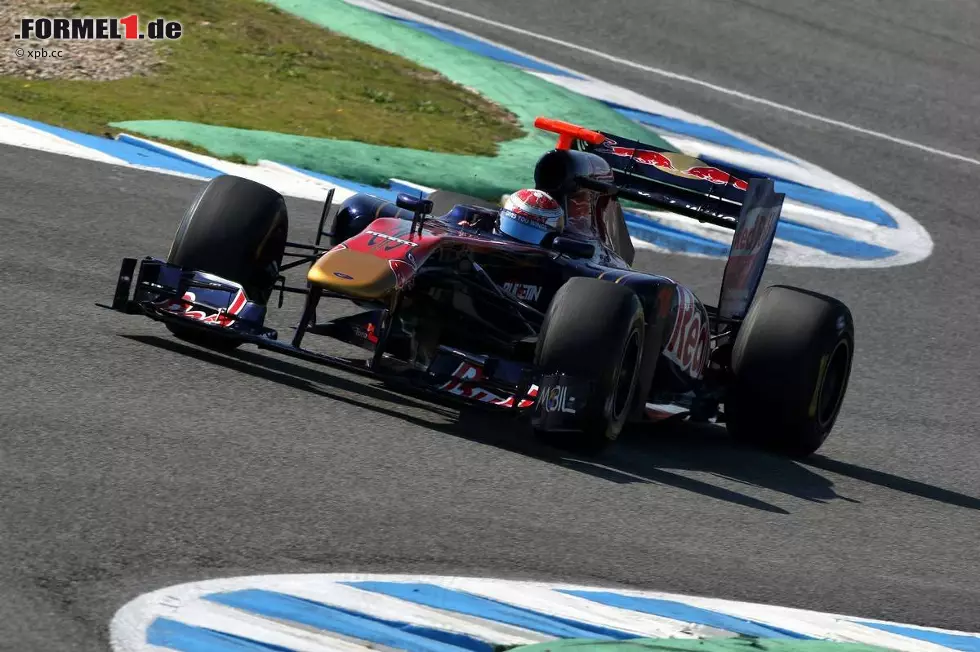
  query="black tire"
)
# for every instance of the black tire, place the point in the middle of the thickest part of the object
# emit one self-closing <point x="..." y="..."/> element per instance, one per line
<point x="790" y="365"/>
<point x="594" y="329"/>
<point x="235" y="229"/>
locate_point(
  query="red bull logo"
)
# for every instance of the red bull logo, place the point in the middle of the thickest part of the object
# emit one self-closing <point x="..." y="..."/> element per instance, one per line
<point x="714" y="175"/>
<point x="185" y="308"/>
<point x="645" y="156"/>
<point x="680" y="165"/>
<point x="403" y="272"/>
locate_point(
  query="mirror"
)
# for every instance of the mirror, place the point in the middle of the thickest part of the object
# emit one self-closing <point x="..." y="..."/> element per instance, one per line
<point x="417" y="205"/>
<point x="574" y="248"/>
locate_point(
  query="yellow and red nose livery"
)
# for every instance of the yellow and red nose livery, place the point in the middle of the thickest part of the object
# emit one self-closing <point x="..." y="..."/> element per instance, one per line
<point x="354" y="273"/>
<point x="385" y="256"/>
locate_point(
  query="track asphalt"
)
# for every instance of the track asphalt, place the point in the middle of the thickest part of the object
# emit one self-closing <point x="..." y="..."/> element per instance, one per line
<point x="130" y="461"/>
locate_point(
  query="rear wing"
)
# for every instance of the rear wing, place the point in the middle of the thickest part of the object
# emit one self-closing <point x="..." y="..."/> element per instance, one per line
<point x="716" y="194"/>
<point x="660" y="178"/>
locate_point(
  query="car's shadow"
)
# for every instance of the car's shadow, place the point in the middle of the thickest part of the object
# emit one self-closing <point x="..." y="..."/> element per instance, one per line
<point x="658" y="454"/>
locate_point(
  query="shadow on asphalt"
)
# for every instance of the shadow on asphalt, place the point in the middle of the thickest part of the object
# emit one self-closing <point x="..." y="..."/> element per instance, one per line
<point x="644" y="454"/>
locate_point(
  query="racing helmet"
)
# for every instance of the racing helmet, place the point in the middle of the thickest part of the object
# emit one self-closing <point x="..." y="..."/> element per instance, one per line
<point x="531" y="216"/>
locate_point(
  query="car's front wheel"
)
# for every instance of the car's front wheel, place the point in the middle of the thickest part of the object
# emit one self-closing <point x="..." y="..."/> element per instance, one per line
<point x="593" y="330"/>
<point x="235" y="229"/>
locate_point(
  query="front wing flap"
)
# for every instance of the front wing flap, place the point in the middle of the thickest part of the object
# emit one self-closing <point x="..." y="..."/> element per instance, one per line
<point x="193" y="299"/>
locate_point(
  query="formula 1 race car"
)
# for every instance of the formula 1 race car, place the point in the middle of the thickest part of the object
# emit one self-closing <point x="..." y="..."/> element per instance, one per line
<point x="562" y="332"/>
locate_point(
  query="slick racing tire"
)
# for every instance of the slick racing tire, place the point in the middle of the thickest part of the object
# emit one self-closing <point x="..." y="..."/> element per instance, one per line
<point x="593" y="330"/>
<point x="790" y="367"/>
<point x="235" y="229"/>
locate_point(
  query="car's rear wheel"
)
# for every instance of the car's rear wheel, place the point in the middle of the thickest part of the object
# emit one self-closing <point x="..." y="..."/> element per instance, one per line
<point x="235" y="229"/>
<point x="594" y="330"/>
<point x="790" y="368"/>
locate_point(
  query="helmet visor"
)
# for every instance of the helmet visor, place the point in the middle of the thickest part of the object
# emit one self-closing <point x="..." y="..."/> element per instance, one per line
<point x="523" y="229"/>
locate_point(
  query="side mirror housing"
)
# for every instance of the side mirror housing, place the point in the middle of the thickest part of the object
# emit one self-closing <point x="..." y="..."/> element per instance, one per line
<point x="574" y="248"/>
<point x="417" y="205"/>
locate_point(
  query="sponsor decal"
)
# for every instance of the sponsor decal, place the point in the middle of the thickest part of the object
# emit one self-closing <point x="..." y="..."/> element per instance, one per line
<point x="346" y="277"/>
<point x="747" y="260"/>
<point x="463" y="384"/>
<point x="185" y="309"/>
<point x="368" y="332"/>
<point x="689" y="344"/>
<point x="532" y="395"/>
<point x="403" y="272"/>
<point x="754" y="224"/>
<point x="465" y="372"/>
<point x="558" y="400"/>
<point x="388" y="241"/>
<point x="44" y="28"/>
<point x="680" y="165"/>
<point x="527" y="218"/>
<point x="527" y="293"/>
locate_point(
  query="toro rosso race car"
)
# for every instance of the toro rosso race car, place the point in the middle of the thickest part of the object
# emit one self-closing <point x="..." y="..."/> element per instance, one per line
<point x="532" y="308"/>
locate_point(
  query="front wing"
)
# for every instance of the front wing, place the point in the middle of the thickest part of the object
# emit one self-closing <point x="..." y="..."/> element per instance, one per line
<point x="199" y="303"/>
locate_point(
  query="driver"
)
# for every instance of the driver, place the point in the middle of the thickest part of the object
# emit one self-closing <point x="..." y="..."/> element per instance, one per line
<point x="531" y="216"/>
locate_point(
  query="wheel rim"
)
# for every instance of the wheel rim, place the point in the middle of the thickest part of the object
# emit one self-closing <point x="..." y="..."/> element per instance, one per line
<point x="834" y="382"/>
<point x="627" y="370"/>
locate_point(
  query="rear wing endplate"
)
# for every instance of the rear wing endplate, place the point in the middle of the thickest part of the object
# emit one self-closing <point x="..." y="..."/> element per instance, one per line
<point x="749" y="253"/>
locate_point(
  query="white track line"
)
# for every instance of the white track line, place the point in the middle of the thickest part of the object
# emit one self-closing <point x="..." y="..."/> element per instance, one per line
<point x="698" y="82"/>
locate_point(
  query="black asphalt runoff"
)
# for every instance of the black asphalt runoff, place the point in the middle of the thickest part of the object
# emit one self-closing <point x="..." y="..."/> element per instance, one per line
<point x="130" y="461"/>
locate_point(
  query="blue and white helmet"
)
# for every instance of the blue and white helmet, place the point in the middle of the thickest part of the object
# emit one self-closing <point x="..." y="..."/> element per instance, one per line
<point x="531" y="215"/>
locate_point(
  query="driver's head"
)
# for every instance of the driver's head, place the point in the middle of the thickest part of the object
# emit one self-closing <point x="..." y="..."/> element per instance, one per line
<point x="531" y="216"/>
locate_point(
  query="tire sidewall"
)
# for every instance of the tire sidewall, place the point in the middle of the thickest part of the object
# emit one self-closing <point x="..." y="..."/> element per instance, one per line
<point x="775" y="396"/>
<point x="236" y="229"/>
<point x="599" y="425"/>
<point x="185" y="223"/>
<point x="614" y="422"/>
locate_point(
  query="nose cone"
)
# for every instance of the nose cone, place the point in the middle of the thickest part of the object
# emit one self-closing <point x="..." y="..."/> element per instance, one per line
<point x="353" y="273"/>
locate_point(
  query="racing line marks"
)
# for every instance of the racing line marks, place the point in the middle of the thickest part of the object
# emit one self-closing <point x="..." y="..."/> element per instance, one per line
<point x="699" y="82"/>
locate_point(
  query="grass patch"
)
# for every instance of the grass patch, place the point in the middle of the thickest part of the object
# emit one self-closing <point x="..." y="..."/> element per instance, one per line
<point x="244" y="64"/>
